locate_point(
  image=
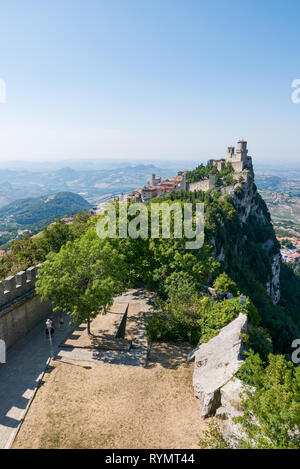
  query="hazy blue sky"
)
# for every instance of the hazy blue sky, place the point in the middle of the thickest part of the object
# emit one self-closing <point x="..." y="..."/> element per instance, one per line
<point x="149" y="78"/>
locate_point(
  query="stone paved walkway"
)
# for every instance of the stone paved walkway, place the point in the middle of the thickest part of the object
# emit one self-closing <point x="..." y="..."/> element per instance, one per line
<point x="19" y="377"/>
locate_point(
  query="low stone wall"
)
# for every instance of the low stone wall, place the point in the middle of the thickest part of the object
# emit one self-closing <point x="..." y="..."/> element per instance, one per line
<point x="199" y="186"/>
<point x="20" y="308"/>
<point x="121" y="324"/>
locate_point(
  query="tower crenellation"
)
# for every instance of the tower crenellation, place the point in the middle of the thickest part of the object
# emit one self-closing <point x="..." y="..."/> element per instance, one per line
<point x="230" y="152"/>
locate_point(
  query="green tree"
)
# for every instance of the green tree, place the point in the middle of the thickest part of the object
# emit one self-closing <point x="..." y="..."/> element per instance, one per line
<point x="180" y="288"/>
<point x="223" y="284"/>
<point x="54" y="237"/>
<point x="83" y="277"/>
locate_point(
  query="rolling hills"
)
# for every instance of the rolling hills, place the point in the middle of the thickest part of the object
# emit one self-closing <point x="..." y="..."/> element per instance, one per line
<point x="34" y="213"/>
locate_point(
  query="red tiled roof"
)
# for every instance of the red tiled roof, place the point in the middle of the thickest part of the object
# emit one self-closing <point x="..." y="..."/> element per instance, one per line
<point x="175" y="178"/>
<point x="295" y="256"/>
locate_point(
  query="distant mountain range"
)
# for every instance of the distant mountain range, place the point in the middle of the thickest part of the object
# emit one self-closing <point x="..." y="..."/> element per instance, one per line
<point x="91" y="184"/>
<point x="88" y="164"/>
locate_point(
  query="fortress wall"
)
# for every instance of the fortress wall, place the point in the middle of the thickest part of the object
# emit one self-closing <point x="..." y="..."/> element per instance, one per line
<point x="199" y="186"/>
<point x="20" y="308"/>
<point x="204" y="185"/>
<point x="238" y="166"/>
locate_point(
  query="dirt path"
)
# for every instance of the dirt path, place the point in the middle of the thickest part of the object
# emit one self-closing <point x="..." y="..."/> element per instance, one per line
<point x="99" y="405"/>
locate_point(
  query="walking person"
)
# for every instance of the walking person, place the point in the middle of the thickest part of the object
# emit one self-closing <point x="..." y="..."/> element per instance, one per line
<point x="61" y="321"/>
<point x="51" y="332"/>
<point x="53" y="323"/>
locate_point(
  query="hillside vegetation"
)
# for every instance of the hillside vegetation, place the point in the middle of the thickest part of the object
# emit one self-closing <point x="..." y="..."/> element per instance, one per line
<point x="35" y="213"/>
<point x="38" y="209"/>
<point x="28" y="251"/>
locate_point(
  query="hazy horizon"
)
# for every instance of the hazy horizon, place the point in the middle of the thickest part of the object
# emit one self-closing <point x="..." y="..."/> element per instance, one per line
<point x="80" y="164"/>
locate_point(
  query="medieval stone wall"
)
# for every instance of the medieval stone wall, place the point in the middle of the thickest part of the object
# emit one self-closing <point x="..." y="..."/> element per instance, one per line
<point x="199" y="185"/>
<point x="20" y="308"/>
<point x="204" y="185"/>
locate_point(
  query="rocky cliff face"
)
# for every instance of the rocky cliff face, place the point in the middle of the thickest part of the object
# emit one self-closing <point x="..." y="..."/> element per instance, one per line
<point x="273" y="286"/>
<point x="255" y="222"/>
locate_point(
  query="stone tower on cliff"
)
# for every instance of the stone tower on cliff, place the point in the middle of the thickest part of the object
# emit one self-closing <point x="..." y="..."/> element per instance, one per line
<point x="239" y="160"/>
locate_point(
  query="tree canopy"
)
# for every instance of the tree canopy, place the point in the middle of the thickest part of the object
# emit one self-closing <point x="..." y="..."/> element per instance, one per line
<point x="83" y="277"/>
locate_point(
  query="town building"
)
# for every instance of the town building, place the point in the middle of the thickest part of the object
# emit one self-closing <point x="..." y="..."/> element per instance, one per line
<point x="219" y="163"/>
<point x="239" y="160"/>
<point x="295" y="257"/>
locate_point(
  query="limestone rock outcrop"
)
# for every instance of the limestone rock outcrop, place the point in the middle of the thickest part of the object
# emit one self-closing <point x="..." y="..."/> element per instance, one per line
<point x="216" y="363"/>
<point x="273" y="286"/>
<point x="230" y="408"/>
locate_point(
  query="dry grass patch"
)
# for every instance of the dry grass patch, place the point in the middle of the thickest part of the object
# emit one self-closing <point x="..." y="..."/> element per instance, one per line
<point x="88" y="405"/>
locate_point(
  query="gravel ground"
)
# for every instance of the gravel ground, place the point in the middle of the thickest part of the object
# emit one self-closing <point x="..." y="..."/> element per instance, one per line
<point x="84" y="404"/>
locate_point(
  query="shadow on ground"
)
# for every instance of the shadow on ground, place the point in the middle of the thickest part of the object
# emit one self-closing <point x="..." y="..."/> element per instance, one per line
<point x="168" y="355"/>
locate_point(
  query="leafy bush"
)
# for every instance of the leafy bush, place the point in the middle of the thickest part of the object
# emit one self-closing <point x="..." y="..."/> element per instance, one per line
<point x="189" y="316"/>
<point x="239" y="191"/>
<point x="271" y="407"/>
<point x="271" y="416"/>
<point x="177" y="317"/>
<point x="224" y="284"/>
<point x="214" y="315"/>
<point x="257" y="338"/>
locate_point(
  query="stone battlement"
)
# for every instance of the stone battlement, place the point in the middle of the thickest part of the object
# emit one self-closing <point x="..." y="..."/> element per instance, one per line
<point x="16" y="286"/>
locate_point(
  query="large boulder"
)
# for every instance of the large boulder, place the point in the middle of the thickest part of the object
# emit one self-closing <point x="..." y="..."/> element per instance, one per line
<point x="231" y="407"/>
<point x="216" y="362"/>
<point x="230" y="400"/>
